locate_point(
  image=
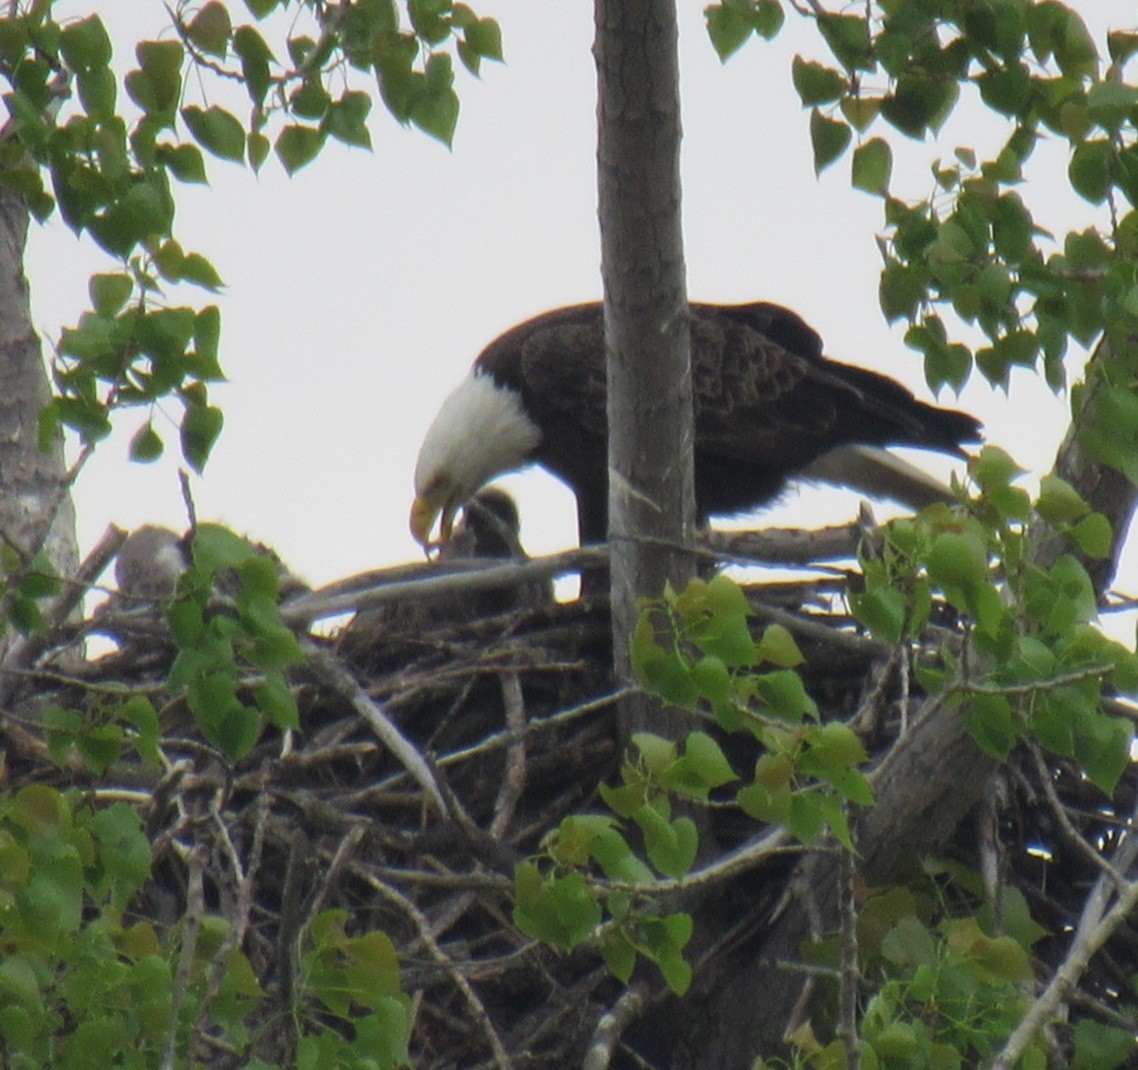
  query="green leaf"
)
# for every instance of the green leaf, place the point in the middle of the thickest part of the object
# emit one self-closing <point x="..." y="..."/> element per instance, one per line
<point x="276" y="701"/>
<point x="160" y="85"/>
<point x="873" y="166"/>
<point x="728" y="29"/>
<point x="217" y="131"/>
<point x="1102" y="747"/>
<point x="848" y="38"/>
<point x="298" y="145"/>
<point x="618" y="953"/>
<point x="201" y="424"/>
<point x="902" y="290"/>
<point x="347" y="120"/>
<point x="146" y="445"/>
<point x="957" y="561"/>
<point x="436" y="113"/>
<point x="216" y="547"/>
<point x="98" y="92"/>
<point x="255" y="57"/>
<point x="484" y="38"/>
<point x="777" y="647"/>
<point x="991" y="724"/>
<point x="724" y="597"/>
<point x="919" y="104"/>
<point x="671" y="846"/>
<point x="707" y="760"/>
<point x="109" y="293"/>
<point x="258" y="150"/>
<point x="712" y="680"/>
<point x="1094" y="536"/>
<point x="197" y="269"/>
<point x="185" y="162"/>
<point x="1090" y="170"/>
<point x="829" y="138"/>
<point x="86" y="44"/>
<point x="1059" y="502"/>
<point x="883" y="612"/>
<point x="560" y="911"/>
<point x="783" y="692"/>
<point x="860" y="111"/>
<point x="1102" y="1047"/>
<point x="210" y="29"/>
<point x="815" y="83"/>
<point x="207" y="333"/>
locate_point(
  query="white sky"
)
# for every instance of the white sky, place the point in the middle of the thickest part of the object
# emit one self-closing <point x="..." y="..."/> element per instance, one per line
<point x="359" y="291"/>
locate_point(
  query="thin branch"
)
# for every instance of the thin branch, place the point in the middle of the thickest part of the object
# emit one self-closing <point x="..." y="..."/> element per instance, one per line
<point x="475" y="1005"/>
<point x="338" y="680"/>
<point x="613" y="1024"/>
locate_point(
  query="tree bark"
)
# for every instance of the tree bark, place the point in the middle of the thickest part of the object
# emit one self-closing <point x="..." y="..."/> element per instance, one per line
<point x="647" y="337"/>
<point x="35" y="502"/>
<point x="1105" y="489"/>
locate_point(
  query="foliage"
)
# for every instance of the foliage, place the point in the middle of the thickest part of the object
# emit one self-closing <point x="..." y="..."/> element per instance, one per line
<point x="974" y="247"/>
<point x="220" y="645"/>
<point x="693" y="649"/>
<point x="1032" y="661"/>
<point x="80" y="983"/>
<point x="109" y="153"/>
<point x="948" y="986"/>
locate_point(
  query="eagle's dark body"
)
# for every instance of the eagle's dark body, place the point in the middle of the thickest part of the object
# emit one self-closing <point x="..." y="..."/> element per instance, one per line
<point x="768" y="404"/>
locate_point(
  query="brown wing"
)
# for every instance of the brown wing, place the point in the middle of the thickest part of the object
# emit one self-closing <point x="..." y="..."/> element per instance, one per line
<point x="765" y="394"/>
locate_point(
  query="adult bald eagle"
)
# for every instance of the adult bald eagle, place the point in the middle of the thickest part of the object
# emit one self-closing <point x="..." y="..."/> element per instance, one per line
<point x="768" y="406"/>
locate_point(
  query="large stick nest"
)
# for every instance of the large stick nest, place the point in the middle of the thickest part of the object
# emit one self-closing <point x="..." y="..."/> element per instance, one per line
<point x="509" y="710"/>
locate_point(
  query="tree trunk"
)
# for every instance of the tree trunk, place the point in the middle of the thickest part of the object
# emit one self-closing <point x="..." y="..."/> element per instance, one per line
<point x="35" y="502"/>
<point x="647" y="337"/>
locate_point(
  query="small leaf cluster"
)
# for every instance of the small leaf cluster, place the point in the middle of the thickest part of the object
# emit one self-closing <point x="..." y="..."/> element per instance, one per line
<point x="556" y="902"/>
<point x="81" y="985"/>
<point x="27" y="584"/>
<point x="355" y="982"/>
<point x="233" y="651"/>
<point x="112" y="181"/>
<point x="413" y="71"/>
<point x="695" y="649"/>
<point x="1031" y="658"/>
<point x="75" y="977"/>
<point x="948" y="987"/>
<point x="132" y="356"/>
<point x="70" y="146"/>
<point x="100" y="733"/>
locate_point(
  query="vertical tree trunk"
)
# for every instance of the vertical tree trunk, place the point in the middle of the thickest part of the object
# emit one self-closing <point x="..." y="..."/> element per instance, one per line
<point x="35" y="503"/>
<point x="651" y="488"/>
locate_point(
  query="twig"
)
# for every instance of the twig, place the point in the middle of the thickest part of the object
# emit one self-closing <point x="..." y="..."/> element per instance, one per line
<point x="1060" y="813"/>
<point x="1093" y="931"/>
<point x="191" y="928"/>
<point x="851" y="974"/>
<point x="612" y="1026"/>
<point x="238" y="925"/>
<point x="337" y="679"/>
<point x="477" y="1009"/>
<point x="514" y="782"/>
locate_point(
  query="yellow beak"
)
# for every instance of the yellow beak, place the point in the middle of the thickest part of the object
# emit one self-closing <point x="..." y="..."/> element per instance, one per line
<point x="424" y="512"/>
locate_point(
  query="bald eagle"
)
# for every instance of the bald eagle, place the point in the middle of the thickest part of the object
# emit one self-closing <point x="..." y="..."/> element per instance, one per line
<point x="768" y="406"/>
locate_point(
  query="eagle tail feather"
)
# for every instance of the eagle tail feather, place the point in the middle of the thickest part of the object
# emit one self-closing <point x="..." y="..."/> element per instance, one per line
<point x="880" y="474"/>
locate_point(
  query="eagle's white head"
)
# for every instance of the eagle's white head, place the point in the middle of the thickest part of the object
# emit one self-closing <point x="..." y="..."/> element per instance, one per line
<point x="482" y="430"/>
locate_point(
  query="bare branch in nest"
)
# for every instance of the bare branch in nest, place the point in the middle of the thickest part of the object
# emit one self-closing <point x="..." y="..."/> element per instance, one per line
<point x="339" y="680"/>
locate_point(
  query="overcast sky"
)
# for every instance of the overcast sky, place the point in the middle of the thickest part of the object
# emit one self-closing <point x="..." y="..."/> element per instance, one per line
<point x="359" y="291"/>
